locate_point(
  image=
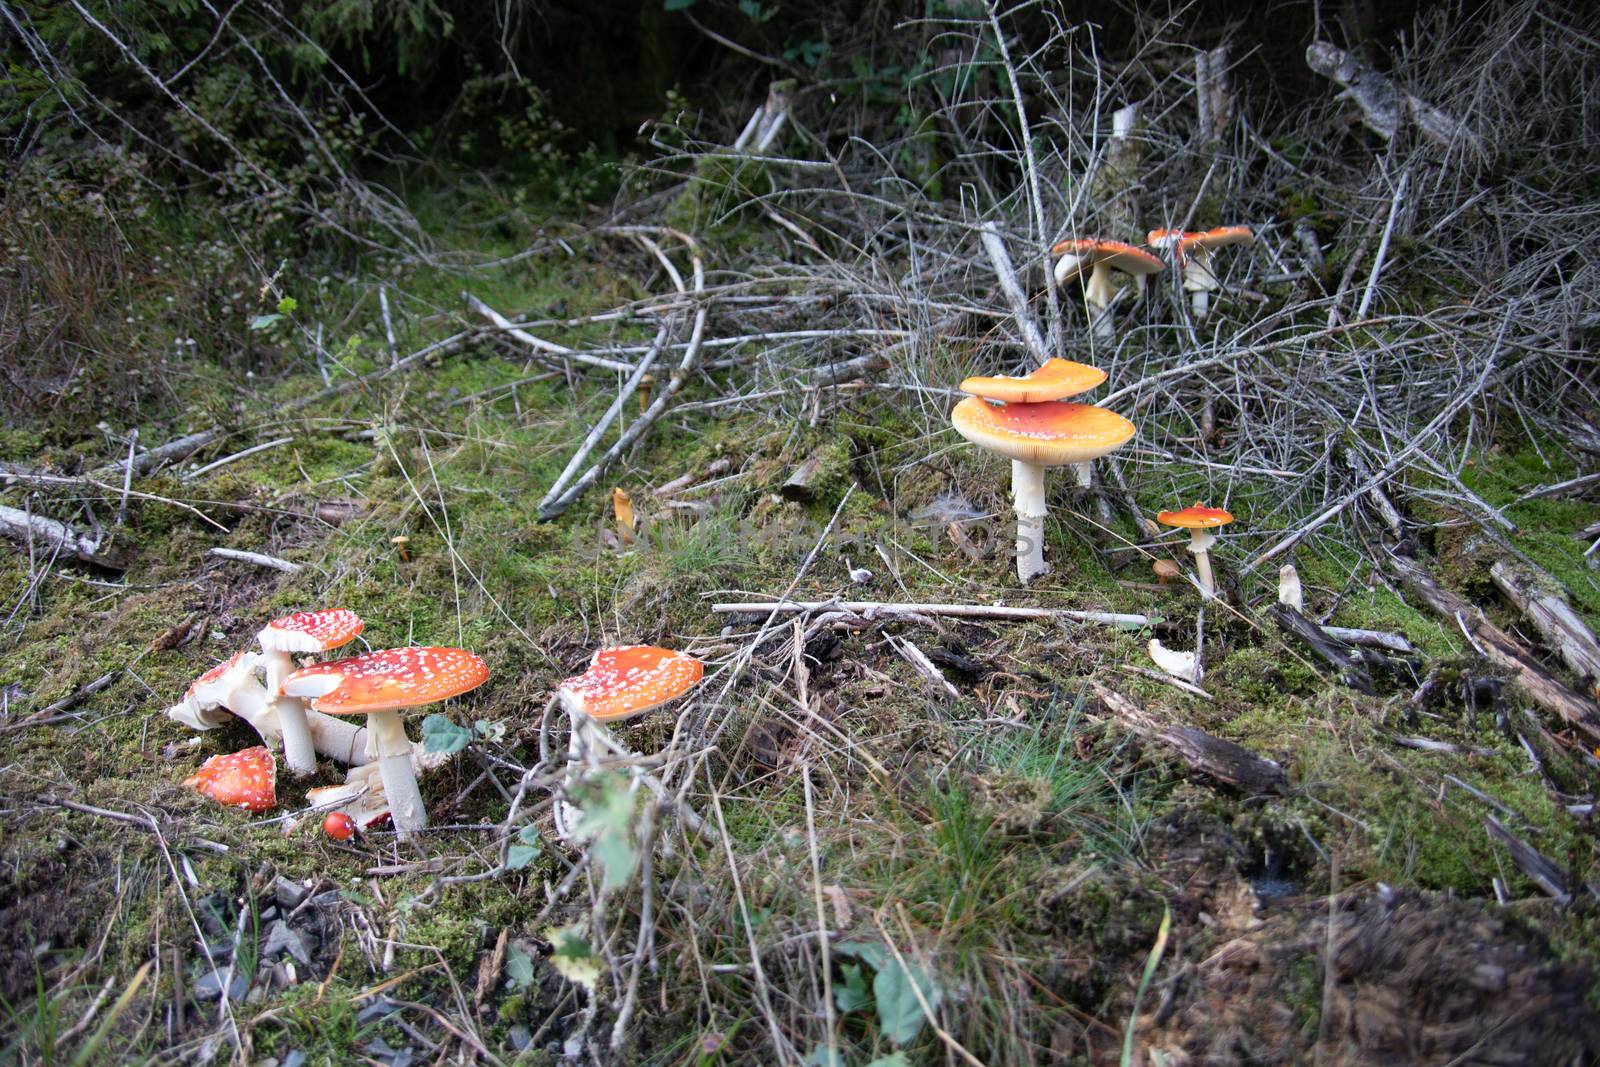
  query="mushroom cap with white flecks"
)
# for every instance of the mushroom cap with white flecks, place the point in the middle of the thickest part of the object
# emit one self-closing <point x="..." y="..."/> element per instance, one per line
<point x="1055" y="379"/>
<point x="390" y="680"/>
<point x="213" y="688"/>
<point x="1046" y="435"/>
<point x="624" y="682"/>
<point x="311" y="631"/>
<point x="247" y="779"/>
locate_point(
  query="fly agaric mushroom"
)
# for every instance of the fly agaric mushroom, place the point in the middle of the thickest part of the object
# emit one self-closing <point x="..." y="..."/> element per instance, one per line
<point x="246" y="779"/>
<point x="339" y="826"/>
<point x="304" y="631"/>
<point x="1033" y="437"/>
<point x="620" y="684"/>
<point x="1100" y="258"/>
<point x="1191" y="252"/>
<point x="1199" y="521"/>
<point x="230" y="689"/>
<point x="381" y="685"/>
<point x="1056" y="379"/>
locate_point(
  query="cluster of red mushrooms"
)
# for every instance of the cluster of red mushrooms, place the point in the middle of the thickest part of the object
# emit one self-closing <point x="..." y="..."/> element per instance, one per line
<point x="1093" y="259"/>
<point x="1031" y="420"/>
<point x="302" y="711"/>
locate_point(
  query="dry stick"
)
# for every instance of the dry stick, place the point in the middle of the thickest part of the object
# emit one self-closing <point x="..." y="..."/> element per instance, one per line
<point x="1543" y="602"/>
<point x="822" y="915"/>
<point x="388" y="325"/>
<point x="628" y="389"/>
<point x="1388" y="470"/>
<point x="127" y="477"/>
<point x="641" y="426"/>
<point x="539" y="344"/>
<point x="1383" y="245"/>
<point x="1018" y="301"/>
<point x="172" y="451"/>
<point x="965" y="611"/>
<point x="225" y="460"/>
<point x="459" y="339"/>
<point x="256" y="558"/>
<point x="35" y="478"/>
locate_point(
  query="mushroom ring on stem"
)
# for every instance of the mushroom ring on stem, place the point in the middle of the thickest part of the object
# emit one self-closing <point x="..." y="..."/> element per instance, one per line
<point x="620" y="684"/>
<point x="1199" y="520"/>
<point x="1191" y="252"/>
<point x="381" y="685"/>
<point x="304" y="631"/>
<point x="1100" y="258"/>
<point x="1033" y="437"/>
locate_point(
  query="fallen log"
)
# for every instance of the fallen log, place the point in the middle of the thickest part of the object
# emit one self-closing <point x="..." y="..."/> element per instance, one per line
<point x="1543" y="602"/>
<point x="1203" y="753"/>
<point x="39" y="531"/>
<point x="1385" y="107"/>
<point x="1500" y="648"/>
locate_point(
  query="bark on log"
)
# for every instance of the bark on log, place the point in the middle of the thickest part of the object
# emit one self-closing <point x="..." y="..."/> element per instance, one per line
<point x="1543" y="602"/>
<point x="1501" y="649"/>
<point x="1203" y="753"/>
<point x="1385" y="107"/>
<point x="1347" y="664"/>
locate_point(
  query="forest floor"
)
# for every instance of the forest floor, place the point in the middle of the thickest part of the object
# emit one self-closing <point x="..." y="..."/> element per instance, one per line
<point x="1002" y="828"/>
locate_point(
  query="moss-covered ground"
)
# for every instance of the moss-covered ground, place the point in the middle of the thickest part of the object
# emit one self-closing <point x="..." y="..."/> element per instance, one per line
<point x="1012" y="840"/>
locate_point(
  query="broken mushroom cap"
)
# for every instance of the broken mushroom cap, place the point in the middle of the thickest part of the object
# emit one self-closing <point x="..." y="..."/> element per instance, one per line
<point x="1198" y="517"/>
<point x="311" y="631"/>
<point x="390" y="680"/>
<point x="246" y="779"/>
<point x="360" y="798"/>
<point x="204" y="706"/>
<point x="624" y="682"/>
<point x="1057" y="379"/>
<point x="1079" y="254"/>
<point x="1046" y="435"/>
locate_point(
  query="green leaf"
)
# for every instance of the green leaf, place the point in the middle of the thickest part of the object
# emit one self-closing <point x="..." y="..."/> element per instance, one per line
<point x="894" y="1059"/>
<point x="573" y="957"/>
<point x="869" y="952"/>
<point x="519" y="965"/>
<point x="287" y="305"/>
<point x="529" y="848"/>
<point x="894" y="989"/>
<point x="853" y="994"/>
<point x="823" y="1056"/>
<point x="439" y="734"/>
<point x="261" y="322"/>
<point x="607" y="824"/>
<point x="677" y="5"/>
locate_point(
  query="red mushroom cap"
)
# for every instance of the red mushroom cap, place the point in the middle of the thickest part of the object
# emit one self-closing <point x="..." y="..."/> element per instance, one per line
<point x="339" y="826"/>
<point x="1117" y="254"/>
<point x="1198" y="517"/>
<point x="246" y="779"/>
<point x="1054" y="380"/>
<point x="623" y="682"/>
<point x="389" y="680"/>
<point x="311" y="631"/>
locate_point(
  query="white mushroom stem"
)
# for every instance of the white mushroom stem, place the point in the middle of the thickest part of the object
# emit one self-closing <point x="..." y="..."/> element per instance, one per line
<point x="1289" y="590"/>
<point x="1199" y="279"/>
<point x="1200" y="542"/>
<point x="387" y="742"/>
<point x="299" y="750"/>
<point x="1098" y="294"/>
<point x="1027" y="487"/>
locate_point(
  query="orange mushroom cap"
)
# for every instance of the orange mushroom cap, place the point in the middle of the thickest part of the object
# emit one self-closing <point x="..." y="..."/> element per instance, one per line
<point x="624" y="682"/>
<point x="1117" y="254"/>
<point x="311" y="631"/>
<point x="1198" y="517"/>
<point x="339" y="826"/>
<point x="1055" y="380"/>
<point x="1048" y="435"/>
<point x="1220" y="237"/>
<point x="247" y="779"/>
<point x="390" y="680"/>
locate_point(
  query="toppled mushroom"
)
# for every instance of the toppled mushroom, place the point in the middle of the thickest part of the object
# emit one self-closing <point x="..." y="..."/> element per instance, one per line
<point x="1100" y="258"/>
<point x="1033" y="437"/>
<point x="380" y="685"/>
<point x="231" y="689"/>
<point x="246" y="779"/>
<point x="1184" y="666"/>
<point x="1191" y="252"/>
<point x="620" y="684"/>
<point x="360" y="799"/>
<point x="1199" y="520"/>
<point x="304" y="631"/>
